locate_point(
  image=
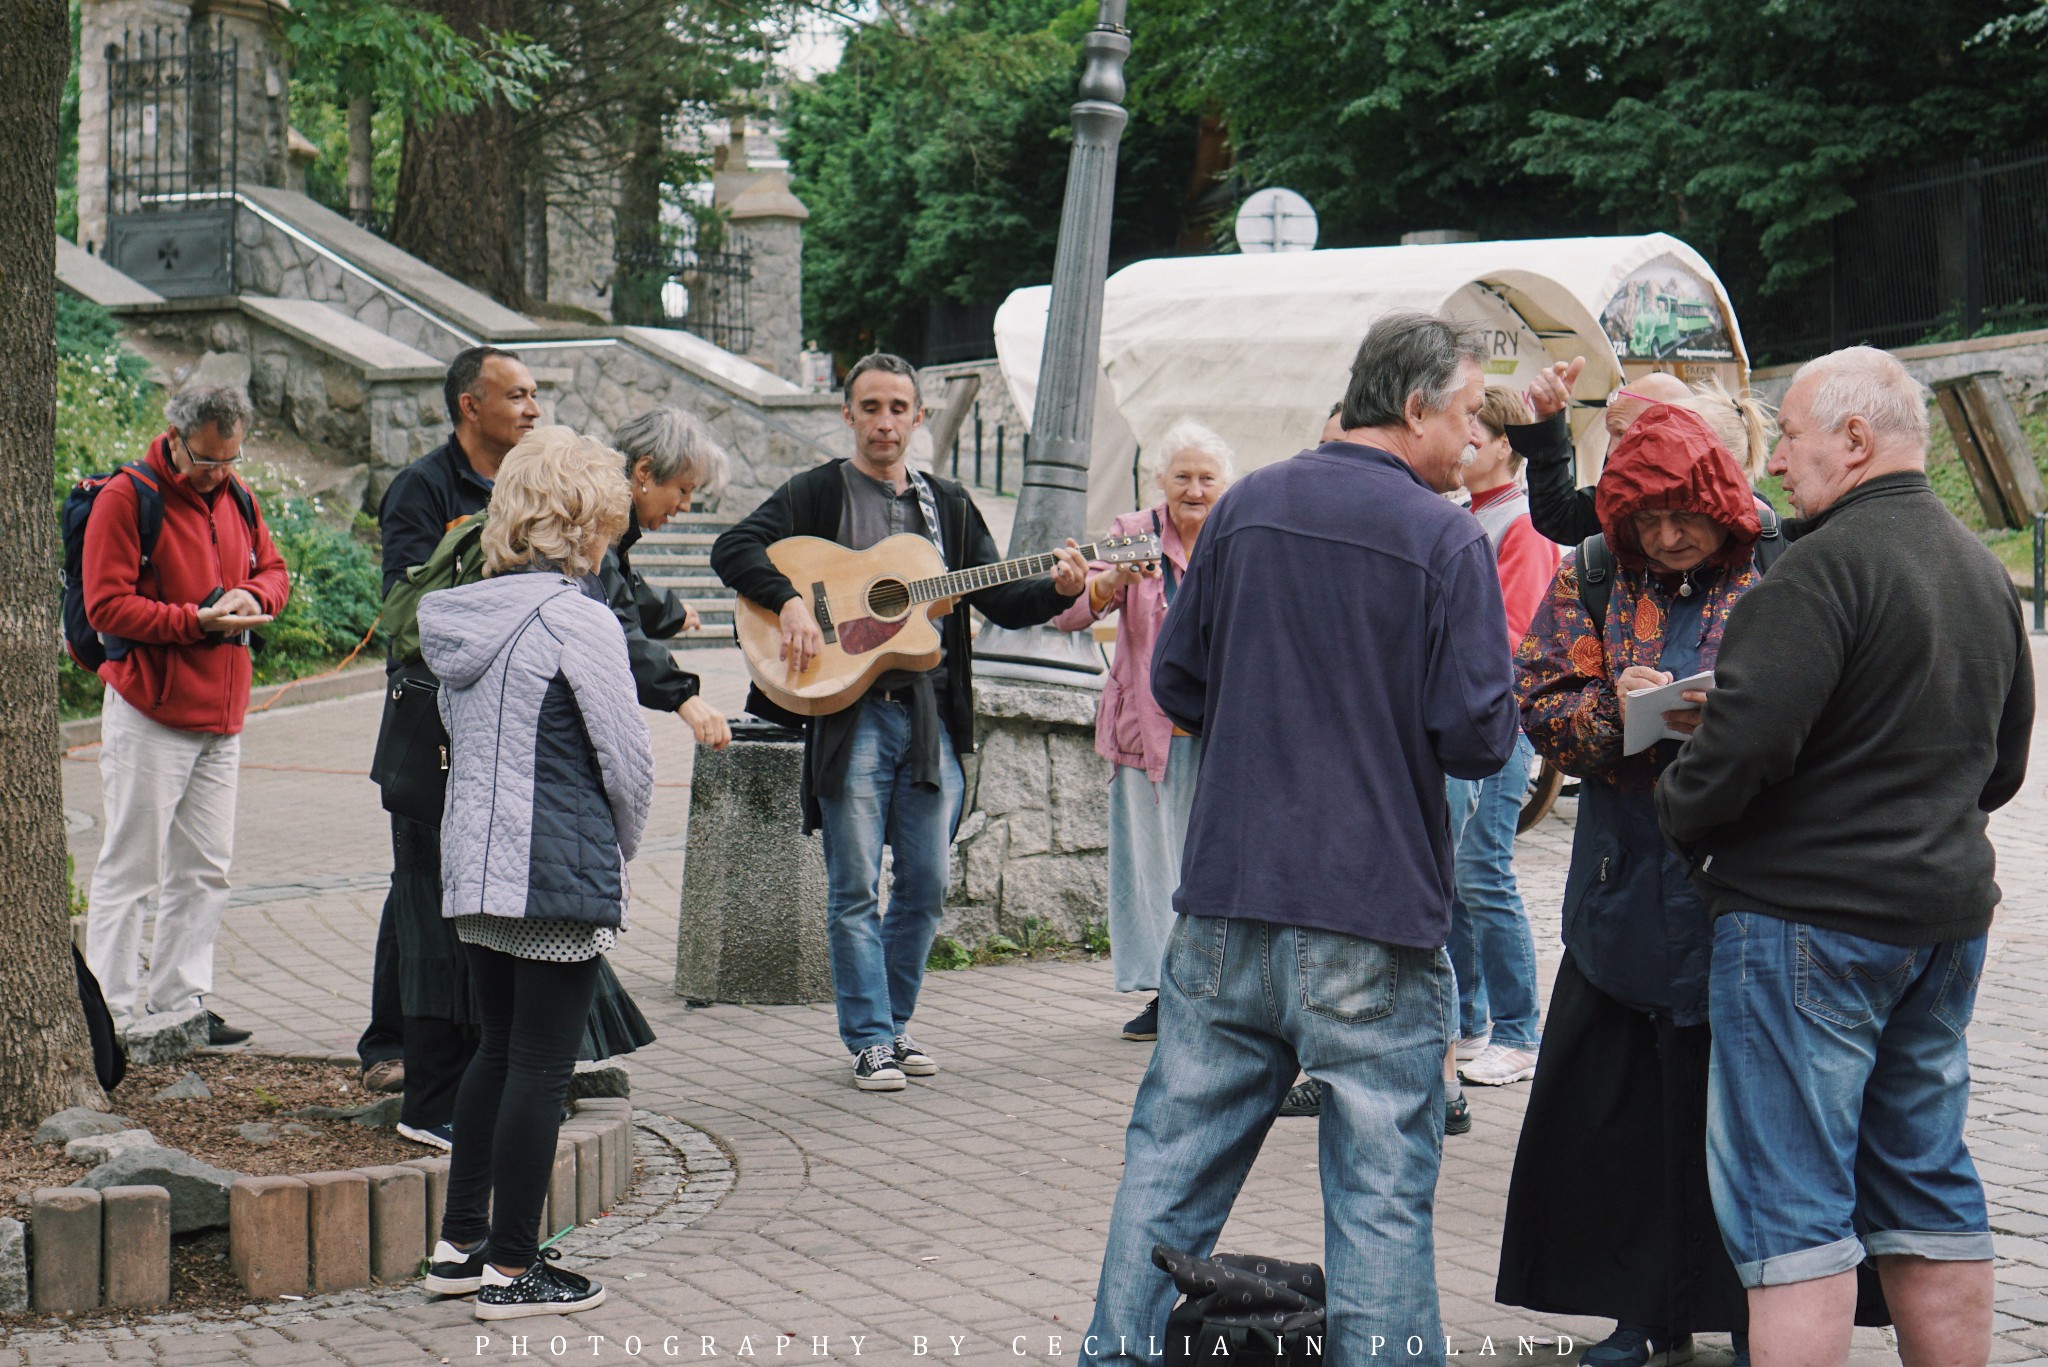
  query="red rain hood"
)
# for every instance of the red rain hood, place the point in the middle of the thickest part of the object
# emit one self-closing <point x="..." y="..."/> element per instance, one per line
<point x="1670" y="458"/>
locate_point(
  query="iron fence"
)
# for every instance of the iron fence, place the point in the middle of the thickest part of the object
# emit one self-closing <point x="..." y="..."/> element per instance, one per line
<point x="1937" y="254"/>
<point x="663" y="282"/>
<point x="173" y="152"/>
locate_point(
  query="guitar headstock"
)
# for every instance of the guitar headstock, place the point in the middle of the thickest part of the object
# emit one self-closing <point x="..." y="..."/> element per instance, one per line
<point x="1136" y="549"/>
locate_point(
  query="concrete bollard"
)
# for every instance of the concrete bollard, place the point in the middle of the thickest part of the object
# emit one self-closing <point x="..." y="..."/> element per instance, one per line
<point x="398" y="1221"/>
<point x="267" y="1235"/>
<point x="64" y="1227"/>
<point x="135" y="1246"/>
<point x="337" y="1230"/>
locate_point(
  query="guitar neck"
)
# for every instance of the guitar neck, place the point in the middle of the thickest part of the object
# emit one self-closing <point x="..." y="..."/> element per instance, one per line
<point x="988" y="576"/>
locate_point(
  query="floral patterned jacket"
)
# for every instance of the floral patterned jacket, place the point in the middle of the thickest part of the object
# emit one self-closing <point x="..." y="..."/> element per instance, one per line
<point x="1564" y="672"/>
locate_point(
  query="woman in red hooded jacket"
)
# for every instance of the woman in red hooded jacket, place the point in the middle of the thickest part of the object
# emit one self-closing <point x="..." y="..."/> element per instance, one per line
<point x="1608" y="1210"/>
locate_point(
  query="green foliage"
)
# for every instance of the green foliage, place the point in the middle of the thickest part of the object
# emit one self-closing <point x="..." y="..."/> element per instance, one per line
<point x="67" y="142"/>
<point x="1039" y="936"/>
<point x="1095" y="938"/>
<point x="996" y="949"/>
<point x="934" y="159"/>
<point x="335" y="586"/>
<point x="392" y="52"/>
<point x="318" y="111"/>
<point x="948" y="953"/>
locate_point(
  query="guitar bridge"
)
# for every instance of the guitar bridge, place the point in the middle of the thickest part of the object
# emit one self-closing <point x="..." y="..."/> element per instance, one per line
<point x="822" y="610"/>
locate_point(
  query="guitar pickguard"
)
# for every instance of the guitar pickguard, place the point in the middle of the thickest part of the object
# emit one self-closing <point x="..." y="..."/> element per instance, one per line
<point x="863" y="634"/>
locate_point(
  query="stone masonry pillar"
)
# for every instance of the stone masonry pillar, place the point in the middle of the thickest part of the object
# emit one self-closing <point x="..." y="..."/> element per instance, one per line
<point x="767" y="222"/>
<point x="263" y="76"/>
<point x="105" y="23"/>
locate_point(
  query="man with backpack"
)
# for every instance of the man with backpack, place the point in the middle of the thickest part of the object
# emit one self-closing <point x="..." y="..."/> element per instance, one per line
<point x="420" y="1035"/>
<point x="173" y="567"/>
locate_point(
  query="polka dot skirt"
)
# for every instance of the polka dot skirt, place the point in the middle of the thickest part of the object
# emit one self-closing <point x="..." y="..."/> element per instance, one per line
<point x="560" y="942"/>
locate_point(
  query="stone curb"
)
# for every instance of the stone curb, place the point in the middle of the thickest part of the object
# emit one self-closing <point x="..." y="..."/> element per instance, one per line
<point x="302" y="1235"/>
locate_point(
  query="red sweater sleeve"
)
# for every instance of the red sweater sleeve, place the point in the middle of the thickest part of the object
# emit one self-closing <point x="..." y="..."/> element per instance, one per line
<point x="1527" y="562"/>
<point x="271" y="583"/>
<point x="112" y="567"/>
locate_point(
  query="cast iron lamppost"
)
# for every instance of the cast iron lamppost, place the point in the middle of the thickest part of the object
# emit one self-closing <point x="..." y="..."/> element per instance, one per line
<point x="1053" y="503"/>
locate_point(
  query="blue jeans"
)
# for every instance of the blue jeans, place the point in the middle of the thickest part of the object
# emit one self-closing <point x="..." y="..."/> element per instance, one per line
<point x="1836" y="1098"/>
<point x="877" y="960"/>
<point x="1490" y="945"/>
<point x="1241" y="1004"/>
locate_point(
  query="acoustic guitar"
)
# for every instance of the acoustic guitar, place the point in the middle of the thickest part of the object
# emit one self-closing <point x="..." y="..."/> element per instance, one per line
<point x="875" y="609"/>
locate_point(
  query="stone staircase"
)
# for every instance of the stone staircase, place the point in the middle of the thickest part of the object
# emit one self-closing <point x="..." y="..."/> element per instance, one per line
<point x="679" y="557"/>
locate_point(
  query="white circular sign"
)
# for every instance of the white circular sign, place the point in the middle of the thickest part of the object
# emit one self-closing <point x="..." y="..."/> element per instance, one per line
<point x="1276" y="220"/>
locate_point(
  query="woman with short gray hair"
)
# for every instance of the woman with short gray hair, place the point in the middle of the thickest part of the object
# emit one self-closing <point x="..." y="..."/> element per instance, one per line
<point x="670" y="457"/>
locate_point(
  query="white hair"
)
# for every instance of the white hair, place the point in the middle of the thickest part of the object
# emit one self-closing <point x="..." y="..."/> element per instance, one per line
<point x="1863" y="382"/>
<point x="1191" y="435"/>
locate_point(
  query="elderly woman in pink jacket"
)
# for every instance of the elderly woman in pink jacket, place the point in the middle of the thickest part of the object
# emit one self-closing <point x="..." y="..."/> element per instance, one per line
<point x="1153" y="779"/>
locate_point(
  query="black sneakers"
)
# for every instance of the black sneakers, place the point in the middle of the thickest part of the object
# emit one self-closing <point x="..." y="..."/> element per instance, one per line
<point x="542" y="1289"/>
<point x="1458" y="1115"/>
<point x="221" y="1035"/>
<point x="1144" y="1025"/>
<point x="914" y="1061"/>
<point x="453" y="1272"/>
<point x="875" y="1069"/>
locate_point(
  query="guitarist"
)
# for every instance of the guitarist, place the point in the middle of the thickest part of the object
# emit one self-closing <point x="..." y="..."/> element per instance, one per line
<point x="887" y="768"/>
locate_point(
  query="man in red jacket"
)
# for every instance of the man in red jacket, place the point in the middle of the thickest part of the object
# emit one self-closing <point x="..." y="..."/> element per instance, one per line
<point x="177" y="677"/>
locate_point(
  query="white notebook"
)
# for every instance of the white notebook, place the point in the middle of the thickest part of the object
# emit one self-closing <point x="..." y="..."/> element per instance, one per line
<point x="1642" y="714"/>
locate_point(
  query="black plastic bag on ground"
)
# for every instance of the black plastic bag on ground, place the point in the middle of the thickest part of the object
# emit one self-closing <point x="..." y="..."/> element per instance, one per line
<point x="1248" y="1311"/>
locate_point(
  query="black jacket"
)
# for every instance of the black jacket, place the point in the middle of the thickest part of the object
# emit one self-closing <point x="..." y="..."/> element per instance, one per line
<point x="422" y="502"/>
<point x="809" y="505"/>
<point x="1558" y="507"/>
<point x="649" y="617"/>
<point x="1874" y="699"/>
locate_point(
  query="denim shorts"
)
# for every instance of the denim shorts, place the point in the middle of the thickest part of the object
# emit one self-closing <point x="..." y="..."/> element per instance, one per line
<point x="1836" y="1099"/>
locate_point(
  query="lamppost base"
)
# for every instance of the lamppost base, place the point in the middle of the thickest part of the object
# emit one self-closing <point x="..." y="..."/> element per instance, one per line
<point x="1038" y="655"/>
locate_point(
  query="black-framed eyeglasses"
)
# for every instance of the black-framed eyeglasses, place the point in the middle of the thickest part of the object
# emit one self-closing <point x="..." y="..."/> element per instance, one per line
<point x="199" y="462"/>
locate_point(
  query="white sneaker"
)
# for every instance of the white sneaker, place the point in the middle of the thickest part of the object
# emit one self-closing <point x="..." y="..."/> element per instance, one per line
<point x="1472" y="1046"/>
<point x="1498" y="1065"/>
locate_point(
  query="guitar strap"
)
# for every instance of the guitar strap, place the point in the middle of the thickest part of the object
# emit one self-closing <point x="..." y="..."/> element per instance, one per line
<point x="928" y="504"/>
<point x="1172" y="576"/>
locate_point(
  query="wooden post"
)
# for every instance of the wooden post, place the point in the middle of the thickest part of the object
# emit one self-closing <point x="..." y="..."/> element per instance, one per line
<point x="1992" y="447"/>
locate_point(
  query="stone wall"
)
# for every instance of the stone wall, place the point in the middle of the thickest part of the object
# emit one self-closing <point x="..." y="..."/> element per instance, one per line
<point x="1033" y="847"/>
<point x="102" y="22"/>
<point x="768" y="444"/>
<point x="270" y="261"/>
<point x="262" y="83"/>
<point x="2022" y="357"/>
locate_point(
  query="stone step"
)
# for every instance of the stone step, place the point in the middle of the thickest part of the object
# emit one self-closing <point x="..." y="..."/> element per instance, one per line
<point x="691" y="586"/>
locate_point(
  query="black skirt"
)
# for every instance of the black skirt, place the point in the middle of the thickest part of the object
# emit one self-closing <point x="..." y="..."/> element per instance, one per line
<point x="616" y="1025"/>
<point x="1609" y="1212"/>
<point x="433" y="971"/>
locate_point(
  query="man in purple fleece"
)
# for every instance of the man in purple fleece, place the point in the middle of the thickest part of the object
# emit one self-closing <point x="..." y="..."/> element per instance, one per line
<point x="1337" y="646"/>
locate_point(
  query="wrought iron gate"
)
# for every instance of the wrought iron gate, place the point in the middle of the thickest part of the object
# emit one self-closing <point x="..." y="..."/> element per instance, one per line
<point x="173" y="138"/>
<point x="675" y="283"/>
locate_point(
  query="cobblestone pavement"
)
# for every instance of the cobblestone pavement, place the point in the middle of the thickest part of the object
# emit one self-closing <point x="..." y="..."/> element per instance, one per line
<point x="966" y="1214"/>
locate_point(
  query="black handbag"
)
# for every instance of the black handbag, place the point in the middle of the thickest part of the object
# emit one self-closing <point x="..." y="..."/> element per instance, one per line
<point x="411" y="763"/>
<point x="1244" y="1309"/>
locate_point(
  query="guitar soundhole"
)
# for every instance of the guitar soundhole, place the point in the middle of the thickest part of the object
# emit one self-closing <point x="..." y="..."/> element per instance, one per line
<point x="888" y="599"/>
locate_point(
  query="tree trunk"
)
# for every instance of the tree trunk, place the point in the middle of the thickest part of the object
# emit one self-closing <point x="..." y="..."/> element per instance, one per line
<point x="360" y="154"/>
<point x="45" y="1056"/>
<point x="456" y="177"/>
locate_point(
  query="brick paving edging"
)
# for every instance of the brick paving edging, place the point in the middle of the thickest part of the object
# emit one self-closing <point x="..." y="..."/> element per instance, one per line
<point x="313" y="1233"/>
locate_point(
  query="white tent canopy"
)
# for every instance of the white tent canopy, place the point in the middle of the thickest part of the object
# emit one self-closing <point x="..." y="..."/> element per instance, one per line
<point x="1260" y="347"/>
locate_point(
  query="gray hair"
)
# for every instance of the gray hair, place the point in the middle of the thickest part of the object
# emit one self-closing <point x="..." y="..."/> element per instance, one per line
<point x="1408" y="354"/>
<point x="1863" y="382"/>
<point x="222" y="406"/>
<point x="1191" y="435"/>
<point x="673" y="441"/>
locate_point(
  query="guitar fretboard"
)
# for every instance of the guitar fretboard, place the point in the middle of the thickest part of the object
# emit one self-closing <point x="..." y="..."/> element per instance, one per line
<point x="988" y="576"/>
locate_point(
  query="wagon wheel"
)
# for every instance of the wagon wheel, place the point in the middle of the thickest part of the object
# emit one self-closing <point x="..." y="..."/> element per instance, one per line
<point x="1544" y="783"/>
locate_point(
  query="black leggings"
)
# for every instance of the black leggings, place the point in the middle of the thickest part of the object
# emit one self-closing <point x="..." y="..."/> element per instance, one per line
<point x="509" y="1109"/>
